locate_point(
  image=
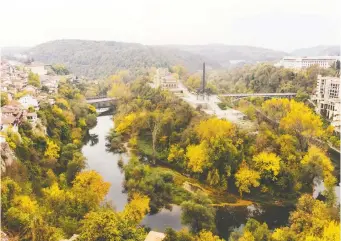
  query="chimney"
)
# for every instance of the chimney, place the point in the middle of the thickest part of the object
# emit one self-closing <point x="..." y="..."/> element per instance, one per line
<point x="203" y="78"/>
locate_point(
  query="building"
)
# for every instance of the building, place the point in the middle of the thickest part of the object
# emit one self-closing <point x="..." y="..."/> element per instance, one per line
<point x="37" y="68"/>
<point x="164" y="79"/>
<point x="305" y="62"/>
<point x="327" y="99"/>
<point x="11" y="115"/>
<point x="155" y="236"/>
<point x="32" y="117"/>
<point x="30" y="89"/>
<point x="51" y="82"/>
<point x="28" y="100"/>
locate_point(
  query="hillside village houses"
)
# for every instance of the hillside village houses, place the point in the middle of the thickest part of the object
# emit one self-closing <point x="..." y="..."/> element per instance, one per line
<point x="14" y="79"/>
<point x="28" y="100"/>
<point x="30" y="89"/>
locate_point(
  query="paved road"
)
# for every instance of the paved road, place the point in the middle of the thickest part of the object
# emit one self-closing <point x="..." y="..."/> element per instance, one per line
<point x="210" y="105"/>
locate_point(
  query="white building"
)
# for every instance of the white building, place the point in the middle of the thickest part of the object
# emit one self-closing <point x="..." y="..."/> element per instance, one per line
<point x="305" y="62"/>
<point x="37" y="68"/>
<point x="328" y="98"/>
<point x="28" y="100"/>
<point x="32" y="117"/>
<point x="155" y="236"/>
<point x="164" y="79"/>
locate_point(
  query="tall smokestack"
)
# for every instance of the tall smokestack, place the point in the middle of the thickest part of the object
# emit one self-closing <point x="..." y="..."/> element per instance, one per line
<point x="203" y="78"/>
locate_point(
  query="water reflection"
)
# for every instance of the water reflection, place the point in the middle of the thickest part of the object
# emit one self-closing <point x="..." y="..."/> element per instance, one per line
<point x="106" y="163"/>
<point x="92" y="139"/>
<point x="165" y="218"/>
<point x="229" y="219"/>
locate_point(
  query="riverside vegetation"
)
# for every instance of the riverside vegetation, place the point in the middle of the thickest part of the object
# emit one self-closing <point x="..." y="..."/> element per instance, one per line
<point x="46" y="194"/>
<point x="278" y="164"/>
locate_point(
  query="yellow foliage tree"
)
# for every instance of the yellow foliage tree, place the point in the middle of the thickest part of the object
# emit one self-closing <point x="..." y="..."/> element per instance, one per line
<point x="126" y="123"/>
<point x="52" y="151"/>
<point x="311" y="221"/>
<point x="197" y="157"/>
<point x="301" y="120"/>
<point x="90" y="187"/>
<point x="207" y="236"/>
<point x="246" y="178"/>
<point x="214" y="128"/>
<point x="288" y="146"/>
<point x="276" y="109"/>
<point x="136" y="209"/>
<point x="176" y="153"/>
<point x="319" y="165"/>
<point x="267" y="162"/>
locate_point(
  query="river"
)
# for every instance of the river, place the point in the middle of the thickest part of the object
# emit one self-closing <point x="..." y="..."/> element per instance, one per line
<point x="105" y="163"/>
<point x="227" y="218"/>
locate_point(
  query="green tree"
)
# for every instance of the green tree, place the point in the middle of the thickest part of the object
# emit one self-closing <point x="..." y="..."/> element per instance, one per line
<point x="198" y="214"/>
<point x="33" y="79"/>
<point x="4" y="98"/>
<point x="253" y="230"/>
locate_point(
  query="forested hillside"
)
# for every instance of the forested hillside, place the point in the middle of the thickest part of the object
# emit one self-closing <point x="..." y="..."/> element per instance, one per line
<point x="321" y="50"/>
<point x="224" y="53"/>
<point x="102" y="58"/>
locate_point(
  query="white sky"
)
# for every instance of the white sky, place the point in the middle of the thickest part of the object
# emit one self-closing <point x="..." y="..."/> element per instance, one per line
<point x="282" y="25"/>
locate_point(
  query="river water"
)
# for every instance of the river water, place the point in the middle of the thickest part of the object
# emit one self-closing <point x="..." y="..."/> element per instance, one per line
<point x="227" y="218"/>
<point x="105" y="163"/>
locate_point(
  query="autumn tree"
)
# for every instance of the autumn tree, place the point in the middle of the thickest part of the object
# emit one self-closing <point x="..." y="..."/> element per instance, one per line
<point x="4" y="98"/>
<point x="318" y="165"/>
<point x="52" y="151"/>
<point x="176" y="154"/>
<point x="193" y="82"/>
<point x="215" y="128"/>
<point x="268" y="164"/>
<point x="301" y="122"/>
<point x="119" y="90"/>
<point x="246" y="178"/>
<point x="276" y="109"/>
<point x="198" y="157"/>
<point x="33" y="79"/>
<point x="90" y="187"/>
<point x="106" y="224"/>
<point x="311" y="220"/>
<point x="136" y="209"/>
<point x="253" y="230"/>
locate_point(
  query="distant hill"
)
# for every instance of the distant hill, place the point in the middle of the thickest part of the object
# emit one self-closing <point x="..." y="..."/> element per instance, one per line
<point x="13" y="52"/>
<point x="225" y="53"/>
<point x="321" y="50"/>
<point x="102" y="58"/>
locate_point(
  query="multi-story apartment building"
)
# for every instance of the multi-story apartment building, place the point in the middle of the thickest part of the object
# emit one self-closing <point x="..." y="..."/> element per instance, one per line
<point x="327" y="99"/>
<point x="305" y="62"/>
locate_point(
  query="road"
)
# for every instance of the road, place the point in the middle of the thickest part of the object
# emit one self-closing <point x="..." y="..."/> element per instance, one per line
<point x="210" y="105"/>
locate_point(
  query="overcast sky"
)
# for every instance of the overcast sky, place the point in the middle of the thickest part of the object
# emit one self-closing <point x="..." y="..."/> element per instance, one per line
<point x="281" y="25"/>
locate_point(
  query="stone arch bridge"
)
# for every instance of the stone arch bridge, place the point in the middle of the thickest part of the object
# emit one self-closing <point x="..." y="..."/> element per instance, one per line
<point x="101" y="101"/>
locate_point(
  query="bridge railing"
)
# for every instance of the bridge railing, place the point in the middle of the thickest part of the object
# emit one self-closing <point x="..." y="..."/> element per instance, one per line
<point x="97" y="97"/>
<point x="258" y="94"/>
